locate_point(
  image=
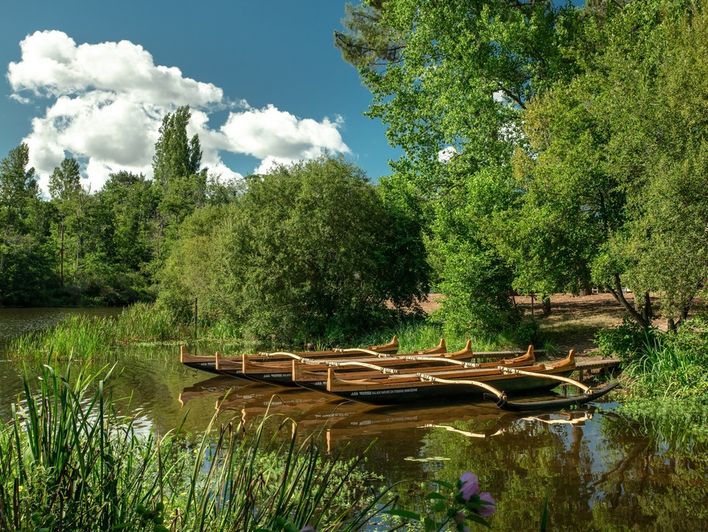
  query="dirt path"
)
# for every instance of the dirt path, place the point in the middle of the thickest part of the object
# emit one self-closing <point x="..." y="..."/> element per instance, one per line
<point x="573" y="321"/>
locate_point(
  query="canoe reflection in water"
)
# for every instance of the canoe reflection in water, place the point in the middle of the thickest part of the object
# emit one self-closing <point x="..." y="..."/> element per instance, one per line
<point x="343" y="421"/>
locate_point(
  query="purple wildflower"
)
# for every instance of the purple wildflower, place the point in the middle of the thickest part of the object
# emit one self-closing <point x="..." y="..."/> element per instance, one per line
<point x="469" y="485"/>
<point x="489" y="505"/>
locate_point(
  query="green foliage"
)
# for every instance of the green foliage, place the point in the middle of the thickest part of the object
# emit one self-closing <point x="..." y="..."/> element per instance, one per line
<point x="25" y="260"/>
<point x="307" y="252"/>
<point x="615" y="174"/>
<point x="457" y="76"/>
<point x="673" y="366"/>
<point x="100" y="248"/>
<point x="627" y="341"/>
<point x="69" y="462"/>
<point x="450" y="505"/>
<point x="175" y="155"/>
<point x="178" y="176"/>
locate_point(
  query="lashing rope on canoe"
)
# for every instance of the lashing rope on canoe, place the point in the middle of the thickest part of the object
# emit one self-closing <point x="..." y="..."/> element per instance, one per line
<point x="426" y="377"/>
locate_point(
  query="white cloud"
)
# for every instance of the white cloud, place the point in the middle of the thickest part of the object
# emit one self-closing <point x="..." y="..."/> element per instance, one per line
<point x="446" y="154"/>
<point x="107" y="101"/>
<point x="53" y="64"/>
<point x="269" y="133"/>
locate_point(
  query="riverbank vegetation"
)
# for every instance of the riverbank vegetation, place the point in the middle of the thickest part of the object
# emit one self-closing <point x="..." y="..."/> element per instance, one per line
<point x="545" y="148"/>
<point x="664" y="375"/>
<point x="143" y="324"/>
<point x="69" y="462"/>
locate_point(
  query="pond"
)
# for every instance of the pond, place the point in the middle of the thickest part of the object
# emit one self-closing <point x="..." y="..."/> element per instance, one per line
<point x="598" y="470"/>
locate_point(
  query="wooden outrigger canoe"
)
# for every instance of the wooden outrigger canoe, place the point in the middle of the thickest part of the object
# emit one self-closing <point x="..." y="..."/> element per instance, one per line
<point x="232" y="365"/>
<point x="395" y="387"/>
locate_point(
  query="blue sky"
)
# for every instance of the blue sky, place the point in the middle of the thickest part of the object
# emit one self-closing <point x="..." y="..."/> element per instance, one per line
<point x="266" y="69"/>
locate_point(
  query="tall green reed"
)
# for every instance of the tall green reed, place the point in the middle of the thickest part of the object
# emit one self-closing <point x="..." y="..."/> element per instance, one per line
<point x="672" y="365"/>
<point x="75" y="337"/>
<point x="68" y="461"/>
<point x="143" y="322"/>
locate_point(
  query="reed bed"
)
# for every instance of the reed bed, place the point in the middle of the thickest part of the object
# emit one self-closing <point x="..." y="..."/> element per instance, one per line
<point x="69" y="462"/>
<point x="75" y="337"/>
<point x="84" y="337"/>
<point x="667" y="384"/>
<point x="143" y="322"/>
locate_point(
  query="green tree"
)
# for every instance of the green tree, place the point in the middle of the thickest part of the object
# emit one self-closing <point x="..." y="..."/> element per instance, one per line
<point x="181" y="184"/>
<point x="65" y="189"/>
<point x="176" y="155"/>
<point x="307" y="252"/>
<point x="25" y="261"/>
<point x="455" y="77"/>
<point x="613" y="183"/>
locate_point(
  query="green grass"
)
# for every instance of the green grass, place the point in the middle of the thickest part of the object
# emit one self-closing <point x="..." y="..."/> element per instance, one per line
<point x="68" y="462"/>
<point x="422" y="334"/>
<point x="143" y="322"/>
<point x="672" y="365"/>
<point x="75" y="337"/>
<point x="83" y="337"/>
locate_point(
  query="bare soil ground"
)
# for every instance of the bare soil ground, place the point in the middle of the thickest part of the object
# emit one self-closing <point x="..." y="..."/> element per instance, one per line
<point x="573" y="320"/>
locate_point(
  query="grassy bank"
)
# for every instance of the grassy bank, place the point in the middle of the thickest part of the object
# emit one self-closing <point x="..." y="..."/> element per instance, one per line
<point x="83" y="337"/>
<point x="68" y="462"/>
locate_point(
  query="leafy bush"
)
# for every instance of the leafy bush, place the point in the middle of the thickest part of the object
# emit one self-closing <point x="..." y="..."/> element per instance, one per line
<point x="307" y="252"/>
<point x="626" y="341"/>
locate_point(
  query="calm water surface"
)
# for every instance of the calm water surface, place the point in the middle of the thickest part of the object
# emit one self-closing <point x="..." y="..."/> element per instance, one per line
<point x="598" y="470"/>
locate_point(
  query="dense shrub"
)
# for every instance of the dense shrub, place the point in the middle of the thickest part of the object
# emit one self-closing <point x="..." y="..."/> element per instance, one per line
<point x="626" y="341"/>
<point x="307" y="252"/>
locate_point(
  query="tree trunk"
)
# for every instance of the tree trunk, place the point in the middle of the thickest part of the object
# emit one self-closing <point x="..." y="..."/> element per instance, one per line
<point x="61" y="254"/>
<point x="647" y="311"/>
<point x="619" y="296"/>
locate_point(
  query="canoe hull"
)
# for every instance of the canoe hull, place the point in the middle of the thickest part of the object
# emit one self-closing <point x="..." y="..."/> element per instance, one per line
<point x="423" y="392"/>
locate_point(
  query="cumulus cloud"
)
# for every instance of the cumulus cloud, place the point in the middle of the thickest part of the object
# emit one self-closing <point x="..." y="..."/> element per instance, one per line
<point x="107" y="101"/>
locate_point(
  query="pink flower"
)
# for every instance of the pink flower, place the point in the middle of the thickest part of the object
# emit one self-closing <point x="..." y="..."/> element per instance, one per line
<point x="469" y="485"/>
<point x="489" y="505"/>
